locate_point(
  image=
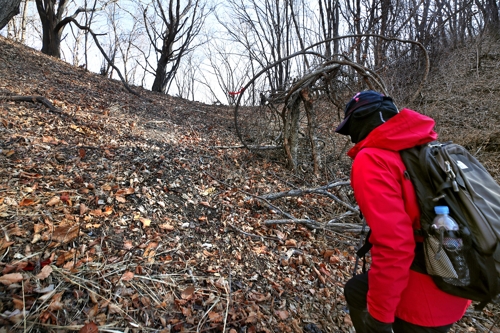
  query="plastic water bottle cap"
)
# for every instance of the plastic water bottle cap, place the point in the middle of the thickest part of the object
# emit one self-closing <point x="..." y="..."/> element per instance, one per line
<point x="441" y="210"/>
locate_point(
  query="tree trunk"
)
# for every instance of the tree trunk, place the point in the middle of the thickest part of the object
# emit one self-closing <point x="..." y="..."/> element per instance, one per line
<point x="159" y="84"/>
<point x="291" y="132"/>
<point x="24" y="21"/>
<point x="10" y="8"/>
<point x="52" y="25"/>
<point x="311" y="129"/>
<point x="51" y="41"/>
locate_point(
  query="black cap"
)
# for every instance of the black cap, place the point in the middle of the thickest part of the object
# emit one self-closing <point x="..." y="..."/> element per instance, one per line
<point x="361" y="99"/>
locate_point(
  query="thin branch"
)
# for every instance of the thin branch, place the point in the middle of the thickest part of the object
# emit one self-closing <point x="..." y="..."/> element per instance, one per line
<point x="110" y="62"/>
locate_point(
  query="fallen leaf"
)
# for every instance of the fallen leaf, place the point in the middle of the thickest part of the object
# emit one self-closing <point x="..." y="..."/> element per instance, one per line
<point x="126" y="191"/>
<point x="38" y="227"/>
<point x="188" y="292"/>
<point x="44" y="273"/>
<point x="27" y="202"/>
<point x="145" y="222"/>
<point x="81" y="153"/>
<point x="65" y="198"/>
<point x="10" y="201"/>
<point x="258" y="297"/>
<point x="127" y="276"/>
<point x="89" y="327"/>
<point x="65" y="233"/>
<point x="83" y="209"/>
<point x="4" y="245"/>
<point x="96" y="212"/>
<point x="56" y="304"/>
<point x="252" y="317"/>
<point x="93" y="311"/>
<point x="328" y="253"/>
<point x="283" y="314"/>
<point x="36" y="238"/>
<point x="166" y="226"/>
<point x="108" y="210"/>
<point x="114" y="308"/>
<point x="48" y="289"/>
<point x="279" y="234"/>
<point x="54" y="201"/>
<point x="186" y="312"/>
<point x="260" y="249"/>
<point x="11" y="278"/>
<point x="209" y="254"/>
<point x="334" y="260"/>
<point x="215" y="317"/>
<point x="208" y="191"/>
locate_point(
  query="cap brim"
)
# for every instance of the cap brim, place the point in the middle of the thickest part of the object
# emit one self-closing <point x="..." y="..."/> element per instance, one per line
<point x="342" y="128"/>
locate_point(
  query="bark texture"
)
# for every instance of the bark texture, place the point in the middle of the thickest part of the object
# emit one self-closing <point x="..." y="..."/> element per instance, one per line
<point x="8" y="9"/>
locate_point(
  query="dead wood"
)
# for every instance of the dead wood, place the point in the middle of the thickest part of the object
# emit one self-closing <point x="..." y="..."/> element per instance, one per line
<point x="252" y="235"/>
<point x="337" y="227"/>
<point x="33" y="99"/>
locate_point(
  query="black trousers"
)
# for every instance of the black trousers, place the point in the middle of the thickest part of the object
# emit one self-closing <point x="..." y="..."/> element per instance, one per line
<point x="355" y="292"/>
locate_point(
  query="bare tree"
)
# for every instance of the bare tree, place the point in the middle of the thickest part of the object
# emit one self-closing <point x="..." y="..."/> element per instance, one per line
<point x="53" y="23"/>
<point x="266" y="30"/>
<point x="329" y="21"/>
<point x="171" y="29"/>
<point x="490" y="8"/>
<point x="227" y="67"/>
<point x="10" y="8"/>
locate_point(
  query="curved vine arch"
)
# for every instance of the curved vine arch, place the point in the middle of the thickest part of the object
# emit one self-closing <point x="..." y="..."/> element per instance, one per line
<point x="292" y="96"/>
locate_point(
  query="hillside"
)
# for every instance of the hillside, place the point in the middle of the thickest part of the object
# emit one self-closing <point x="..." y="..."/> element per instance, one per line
<point x="126" y="213"/>
<point x="463" y="96"/>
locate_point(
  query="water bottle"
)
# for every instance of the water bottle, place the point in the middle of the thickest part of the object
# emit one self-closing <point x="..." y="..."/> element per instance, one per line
<point x="444" y="222"/>
<point x="449" y="240"/>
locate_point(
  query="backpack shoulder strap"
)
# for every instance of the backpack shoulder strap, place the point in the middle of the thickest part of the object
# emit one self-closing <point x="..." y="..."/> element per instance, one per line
<point x="417" y="161"/>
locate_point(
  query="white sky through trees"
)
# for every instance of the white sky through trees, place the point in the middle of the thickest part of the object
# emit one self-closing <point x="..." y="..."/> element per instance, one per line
<point x="240" y="37"/>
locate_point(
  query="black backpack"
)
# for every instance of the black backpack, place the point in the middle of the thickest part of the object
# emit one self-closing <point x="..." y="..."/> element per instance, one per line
<point x="446" y="174"/>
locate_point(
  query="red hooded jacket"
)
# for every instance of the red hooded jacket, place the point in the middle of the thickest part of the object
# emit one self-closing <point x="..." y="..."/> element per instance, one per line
<point x="389" y="205"/>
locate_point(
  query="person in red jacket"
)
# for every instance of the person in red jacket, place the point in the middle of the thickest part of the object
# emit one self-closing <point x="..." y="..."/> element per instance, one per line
<point x="393" y="296"/>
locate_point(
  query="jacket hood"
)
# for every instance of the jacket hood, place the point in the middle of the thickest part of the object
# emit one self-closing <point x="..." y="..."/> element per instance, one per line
<point x="405" y="130"/>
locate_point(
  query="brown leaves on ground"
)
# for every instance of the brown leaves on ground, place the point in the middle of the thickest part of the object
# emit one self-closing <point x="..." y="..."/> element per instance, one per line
<point x="121" y="213"/>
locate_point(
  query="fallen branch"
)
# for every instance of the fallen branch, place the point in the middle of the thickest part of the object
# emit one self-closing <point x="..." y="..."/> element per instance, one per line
<point x="33" y="99"/>
<point x="251" y="147"/>
<point x="270" y="206"/>
<point x="337" y="227"/>
<point x="252" y="235"/>
<point x="323" y="190"/>
<point x="310" y="223"/>
<point x="300" y="192"/>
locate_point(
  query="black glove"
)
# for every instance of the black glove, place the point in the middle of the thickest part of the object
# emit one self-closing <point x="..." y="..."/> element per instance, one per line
<point x="375" y="326"/>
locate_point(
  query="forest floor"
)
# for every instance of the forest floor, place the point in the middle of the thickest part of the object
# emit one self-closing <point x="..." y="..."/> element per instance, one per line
<point x="121" y="213"/>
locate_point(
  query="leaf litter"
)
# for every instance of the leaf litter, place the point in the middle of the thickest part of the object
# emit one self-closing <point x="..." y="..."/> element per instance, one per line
<point x="124" y="214"/>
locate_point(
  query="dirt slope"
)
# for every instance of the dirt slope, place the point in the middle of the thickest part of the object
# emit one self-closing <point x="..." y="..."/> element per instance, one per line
<point x="131" y="213"/>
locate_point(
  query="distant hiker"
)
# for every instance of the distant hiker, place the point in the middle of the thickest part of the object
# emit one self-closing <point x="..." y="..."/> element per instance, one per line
<point x="392" y="295"/>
